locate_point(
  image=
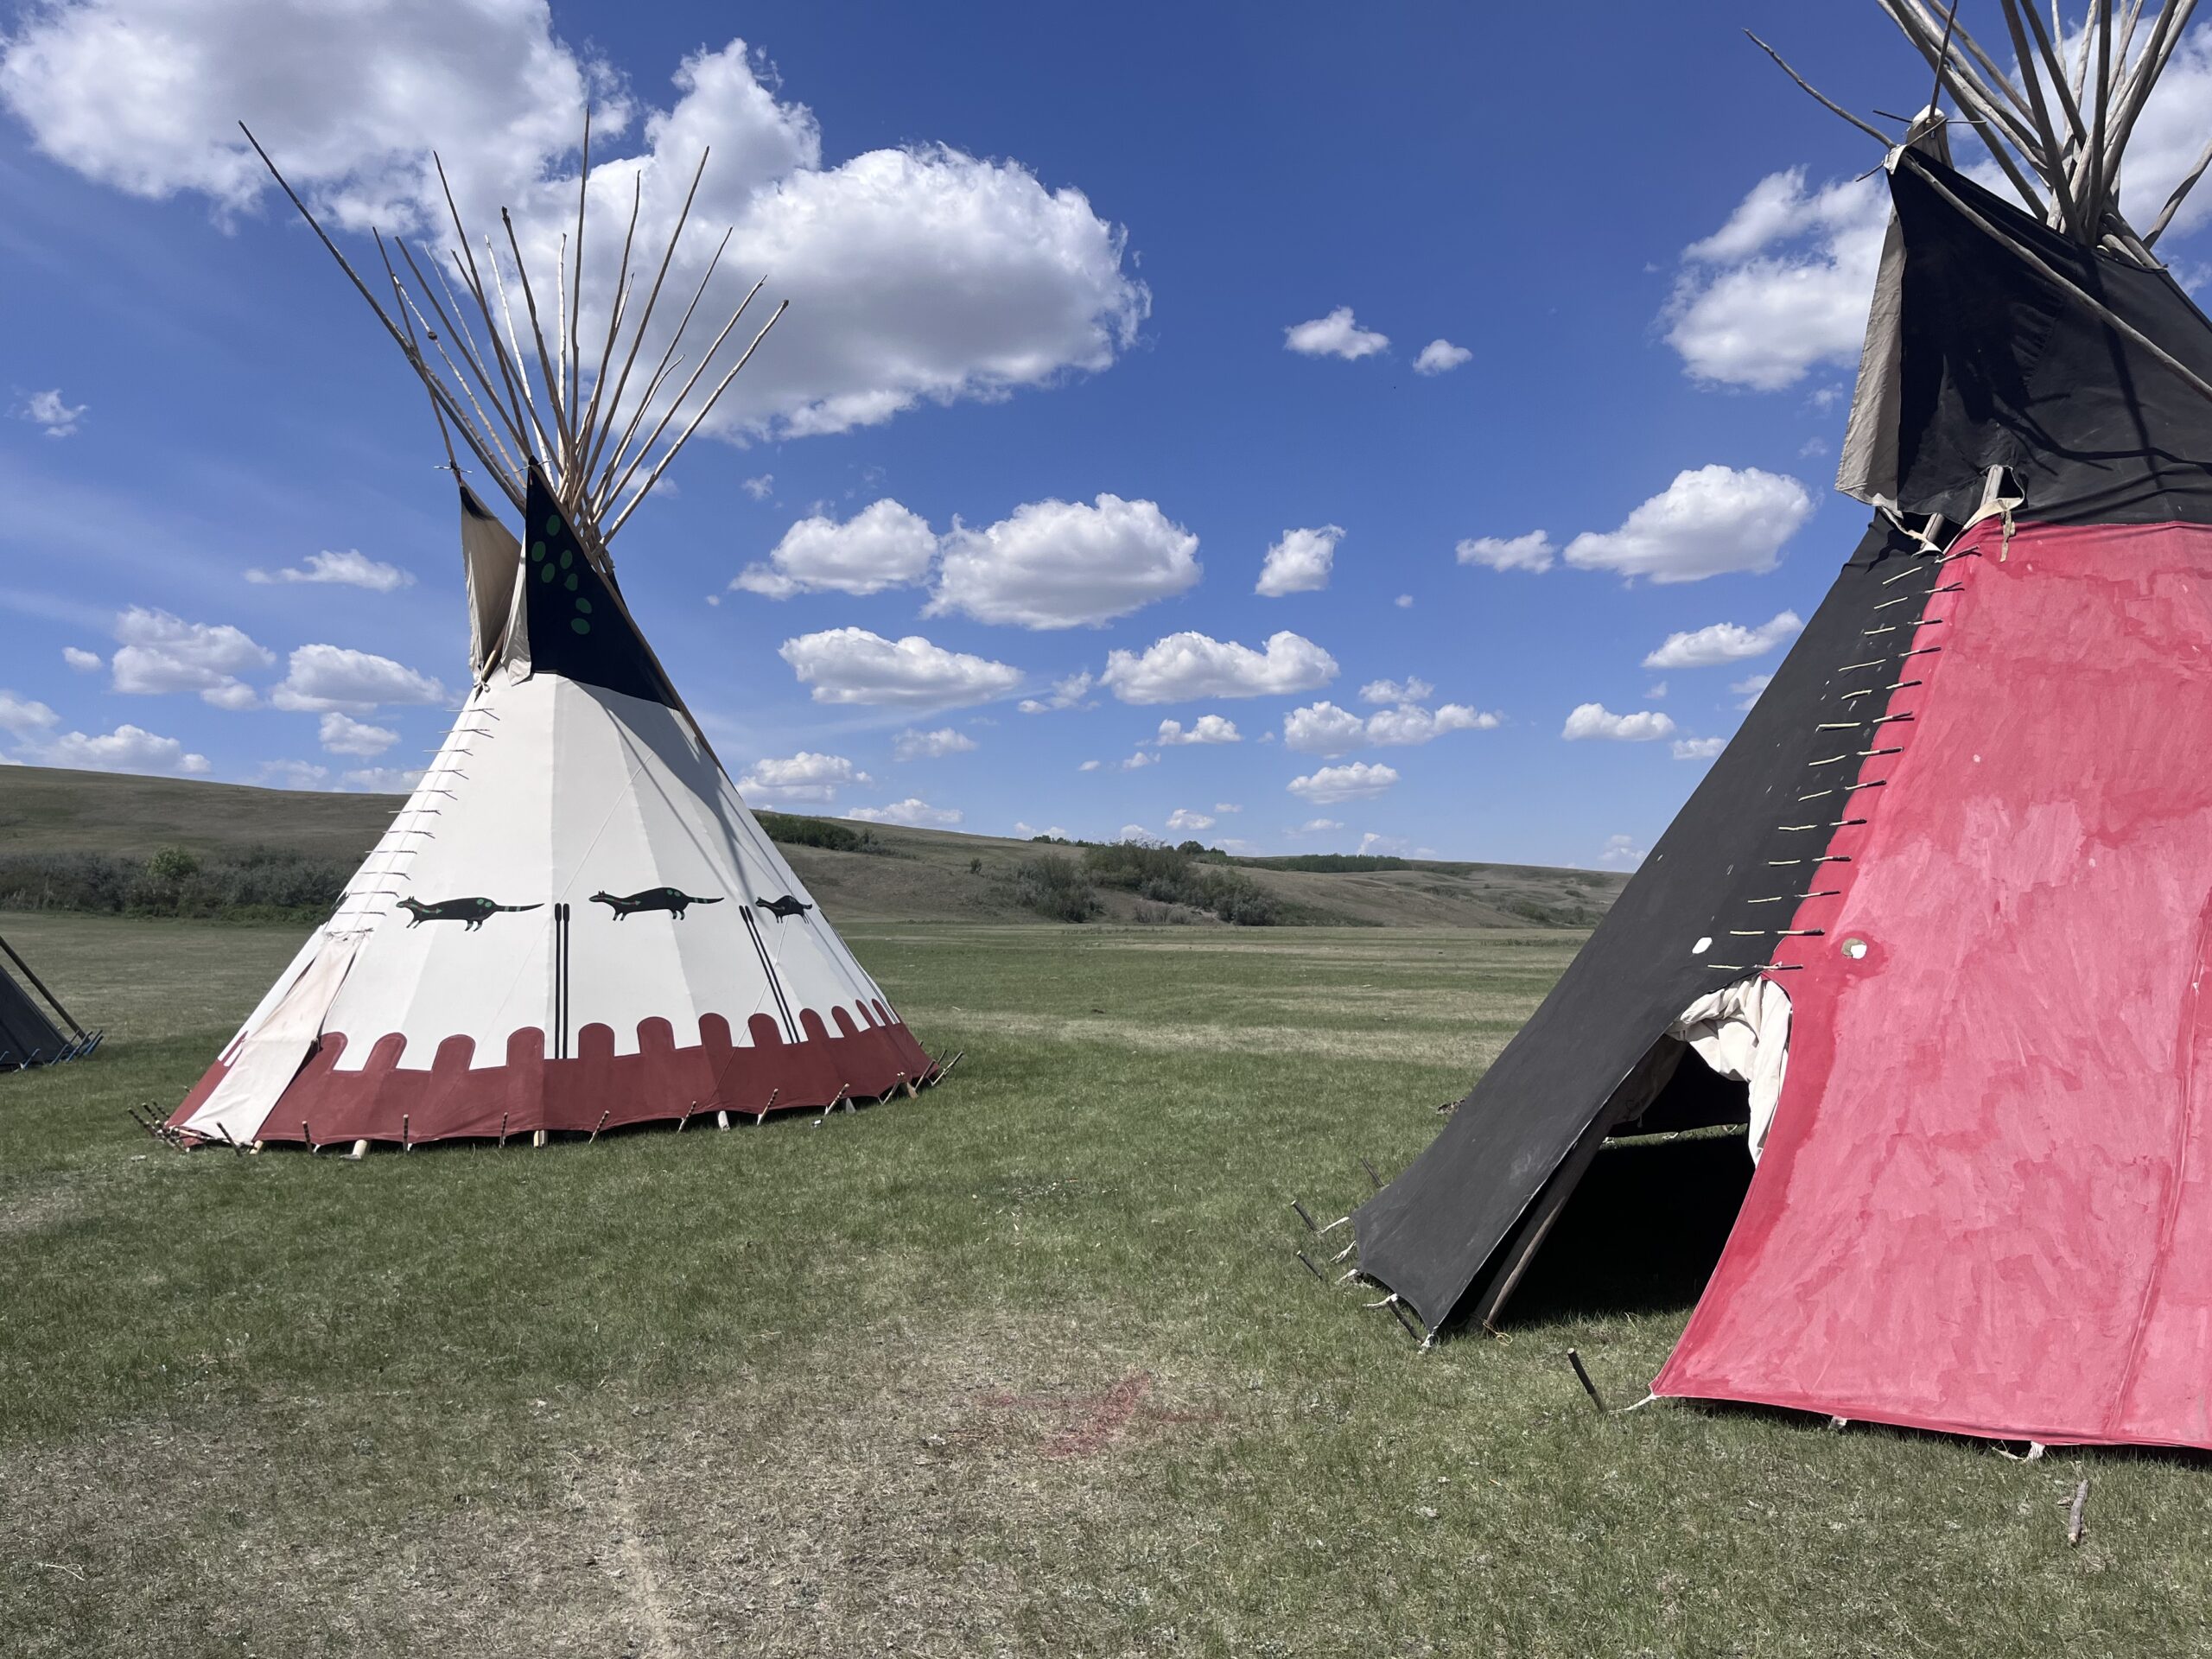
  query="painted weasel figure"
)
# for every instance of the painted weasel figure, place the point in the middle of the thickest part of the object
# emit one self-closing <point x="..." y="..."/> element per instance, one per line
<point x="787" y="906"/>
<point x="674" y="901"/>
<point x="471" y="911"/>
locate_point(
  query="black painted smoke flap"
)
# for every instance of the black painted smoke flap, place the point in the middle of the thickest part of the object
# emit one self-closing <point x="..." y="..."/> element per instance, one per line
<point x="578" y="628"/>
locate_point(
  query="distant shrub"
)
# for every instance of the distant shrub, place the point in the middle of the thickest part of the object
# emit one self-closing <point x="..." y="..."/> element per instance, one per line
<point x="1168" y="875"/>
<point x="1053" y="887"/>
<point x="171" y="864"/>
<point x="261" y="884"/>
<point x="811" y="832"/>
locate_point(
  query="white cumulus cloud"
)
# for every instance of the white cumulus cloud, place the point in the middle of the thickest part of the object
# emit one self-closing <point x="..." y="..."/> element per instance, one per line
<point x="1206" y="728"/>
<point x="1061" y="564"/>
<point x="1440" y="357"/>
<point x="1724" y="642"/>
<point x="1594" y="719"/>
<point x="1621" y="852"/>
<point x="913" y="811"/>
<point x="23" y="716"/>
<point x="348" y="568"/>
<point x="805" y="776"/>
<point x="930" y="745"/>
<point x="1184" y="820"/>
<point x="883" y="545"/>
<point x="127" y="749"/>
<point x="1699" y="748"/>
<point x="854" y="665"/>
<point x="343" y="734"/>
<point x="1066" y="694"/>
<point x="1324" y="729"/>
<point x="321" y="678"/>
<point x="1334" y="335"/>
<point x="1748" y="689"/>
<point x="85" y="662"/>
<point x="46" y="410"/>
<point x="1709" y="521"/>
<point x="161" y="653"/>
<point x="927" y="274"/>
<point x="1299" y="562"/>
<point x="1532" y="552"/>
<point x="1783" y="287"/>
<point x="1357" y="782"/>
<point x="1184" y="667"/>
<point x="1408" y="690"/>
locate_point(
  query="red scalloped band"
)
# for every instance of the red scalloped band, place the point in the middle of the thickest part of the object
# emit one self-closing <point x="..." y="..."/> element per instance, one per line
<point x="596" y="1088"/>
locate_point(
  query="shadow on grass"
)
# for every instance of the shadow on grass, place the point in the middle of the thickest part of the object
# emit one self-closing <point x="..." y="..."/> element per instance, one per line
<point x="1642" y="1233"/>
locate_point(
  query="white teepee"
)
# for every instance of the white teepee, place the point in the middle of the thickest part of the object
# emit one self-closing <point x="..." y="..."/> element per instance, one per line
<point x="575" y="923"/>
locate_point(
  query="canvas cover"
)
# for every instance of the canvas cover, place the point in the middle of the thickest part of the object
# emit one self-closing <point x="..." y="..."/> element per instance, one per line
<point x="1961" y="830"/>
<point x="28" y="1037"/>
<point x="575" y="923"/>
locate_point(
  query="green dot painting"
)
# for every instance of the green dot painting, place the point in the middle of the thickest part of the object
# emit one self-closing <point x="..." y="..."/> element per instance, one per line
<point x="553" y="524"/>
<point x="545" y="573"/>
<point x="537" y="549"/>
<point x="567" y="558"/>
<point x="584" y="605"/>
<point x="571" y="583"/>
<point x="580" y="624"/>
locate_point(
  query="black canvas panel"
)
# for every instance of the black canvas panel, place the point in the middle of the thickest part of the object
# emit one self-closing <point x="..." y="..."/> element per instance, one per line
<point x="1999" y="367"/>
<point x="24" y="1029"/>
<point x="1431" y="1232"/>
<point x="579" y="628"/>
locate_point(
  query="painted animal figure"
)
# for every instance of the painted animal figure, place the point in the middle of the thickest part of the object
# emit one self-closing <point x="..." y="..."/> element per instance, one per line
<point x="471" y="911"/>
<point x="787" y="906"/>
<point x="674" y="901"/>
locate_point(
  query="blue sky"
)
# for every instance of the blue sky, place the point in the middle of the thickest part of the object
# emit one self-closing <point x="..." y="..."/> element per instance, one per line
<point x="1043" y="270"/>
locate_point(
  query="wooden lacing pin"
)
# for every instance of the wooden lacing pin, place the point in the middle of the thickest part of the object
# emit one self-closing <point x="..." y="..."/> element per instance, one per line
<point x="1868" y="755"/>
<point x="1839" y="726"/>
<point x="1850" y="667"/>
<point x="1905" y="599"/>
<point x="1884" y="720"/>
<point x="1801" y="932"/>
<point x="1919" y="650"/>
<point x="601" y="1124"/>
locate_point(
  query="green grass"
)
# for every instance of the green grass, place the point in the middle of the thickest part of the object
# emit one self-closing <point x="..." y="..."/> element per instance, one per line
<point x="1024" y="1366"/>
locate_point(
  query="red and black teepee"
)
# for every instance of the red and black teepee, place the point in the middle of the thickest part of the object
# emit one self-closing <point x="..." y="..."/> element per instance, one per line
<point x="1966" y="832"/>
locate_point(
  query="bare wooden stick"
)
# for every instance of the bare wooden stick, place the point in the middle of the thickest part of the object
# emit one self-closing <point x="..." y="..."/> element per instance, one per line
<point x="2074" y="1514"/>
<point x="414" y="358"/>
<point x="652" y="296"/>
<point x="576" y="297"/>
<point x="522" y="372"/>
<point x="474" y="281"/>
<point x="1870" y="130"/>
<point x="538" y="333"/>
<point x="607" y="492"/>
<point x="1976" y="106"/>
<point x="561" y="348"/>
<point x="2165" y="36"/>
<point x="675" y="449"/>
<point x="601" y="1124"/>
<point x="2174" y="201"/>
<point x="489" y="432"/>
<point x="445" y="438"/>
<point x="614" y="320"/>
<point x="2054" y="170"/>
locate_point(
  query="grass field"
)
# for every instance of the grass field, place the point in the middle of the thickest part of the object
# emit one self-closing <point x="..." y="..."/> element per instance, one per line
<point x="1025" y="1366"/>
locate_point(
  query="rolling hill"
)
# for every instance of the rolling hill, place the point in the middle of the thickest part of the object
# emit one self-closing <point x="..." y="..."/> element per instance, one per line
<point x="907" y="875"/>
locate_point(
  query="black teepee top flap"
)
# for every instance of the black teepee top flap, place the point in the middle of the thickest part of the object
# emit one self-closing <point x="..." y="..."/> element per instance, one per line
<point x="579" y="627"/>
<point x="2002" y="365"/>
